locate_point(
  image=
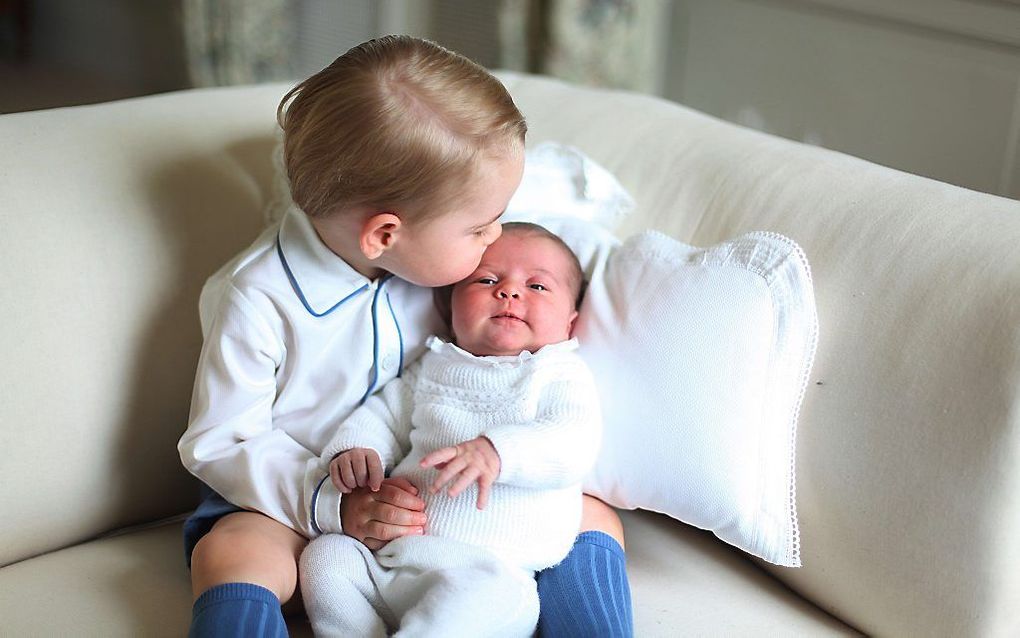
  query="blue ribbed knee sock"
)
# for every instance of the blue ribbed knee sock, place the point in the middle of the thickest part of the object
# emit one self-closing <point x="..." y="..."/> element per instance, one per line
<point x="237" y="610"/>
<point x="588" y="593"/>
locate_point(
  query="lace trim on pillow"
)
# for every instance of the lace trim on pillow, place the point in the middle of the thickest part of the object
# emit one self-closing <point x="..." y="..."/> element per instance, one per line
<point x="804" y="354"/>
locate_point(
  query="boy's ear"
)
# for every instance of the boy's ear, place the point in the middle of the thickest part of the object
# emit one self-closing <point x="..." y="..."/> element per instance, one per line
<point x="378" y="234"/>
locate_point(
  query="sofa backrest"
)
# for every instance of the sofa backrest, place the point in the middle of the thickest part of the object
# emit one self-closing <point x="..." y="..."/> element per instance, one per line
<point x="111" y="218"/>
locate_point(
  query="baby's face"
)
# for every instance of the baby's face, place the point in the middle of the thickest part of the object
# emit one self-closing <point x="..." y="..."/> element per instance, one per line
<point x="519" y="298"/>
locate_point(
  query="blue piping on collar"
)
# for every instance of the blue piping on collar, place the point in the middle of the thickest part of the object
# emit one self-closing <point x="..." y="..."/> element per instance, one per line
<point x="297" y="288"/>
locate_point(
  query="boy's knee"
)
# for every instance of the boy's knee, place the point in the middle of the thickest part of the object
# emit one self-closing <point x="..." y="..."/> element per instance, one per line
<point x="240" y="549"/>
<point x="599" y="517"/>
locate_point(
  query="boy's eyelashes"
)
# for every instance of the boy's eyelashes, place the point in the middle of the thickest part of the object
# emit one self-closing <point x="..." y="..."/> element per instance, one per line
<point x="481" y="231"/>
<point x="490" y="226"/>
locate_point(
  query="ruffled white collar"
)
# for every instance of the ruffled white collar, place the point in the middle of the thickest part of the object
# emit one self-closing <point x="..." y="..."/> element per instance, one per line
<point x="438" y="345"/>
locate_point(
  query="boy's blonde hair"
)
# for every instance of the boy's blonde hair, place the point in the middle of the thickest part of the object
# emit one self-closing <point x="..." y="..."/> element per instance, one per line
<point x="394" y="122"/>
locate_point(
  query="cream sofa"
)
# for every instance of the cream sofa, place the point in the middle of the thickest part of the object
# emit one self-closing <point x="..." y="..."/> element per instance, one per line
<point x="112" y="216"/>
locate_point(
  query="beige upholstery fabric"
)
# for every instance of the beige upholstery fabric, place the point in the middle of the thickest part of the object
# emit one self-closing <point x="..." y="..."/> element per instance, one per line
<point x="909" y="481"/>
<point x="132" y="585"/>
<point x="701" y="587"/>
<point x="112" y="217"/>
<point x="136" y="585"/>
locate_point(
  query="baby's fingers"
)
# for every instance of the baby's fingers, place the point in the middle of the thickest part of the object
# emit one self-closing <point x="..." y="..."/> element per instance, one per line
<point x="375" y="472"/>
<point x="452" y="469"/>
<point x="484" y="485"/>
<point x="466" y="478"/>
<point x="360" y="466"/>
<point x="336" y="475"/>
<point x="438" y="457"/>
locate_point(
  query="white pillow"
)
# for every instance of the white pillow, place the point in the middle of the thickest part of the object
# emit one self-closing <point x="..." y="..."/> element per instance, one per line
<point x="701" y="356"/>
<point x="561" y="180"/>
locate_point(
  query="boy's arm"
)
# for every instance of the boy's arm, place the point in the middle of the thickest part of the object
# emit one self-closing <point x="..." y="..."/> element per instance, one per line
<point x="230" y="443"/>
<point x="560" y="446"/>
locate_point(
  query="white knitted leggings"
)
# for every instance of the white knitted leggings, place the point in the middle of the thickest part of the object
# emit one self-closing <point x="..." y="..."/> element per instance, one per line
<point x="422" y="585"/>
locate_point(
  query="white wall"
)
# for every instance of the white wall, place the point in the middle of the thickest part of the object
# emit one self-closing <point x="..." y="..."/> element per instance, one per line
<point x="927" y="86"/>
<point x="327" y="28"/>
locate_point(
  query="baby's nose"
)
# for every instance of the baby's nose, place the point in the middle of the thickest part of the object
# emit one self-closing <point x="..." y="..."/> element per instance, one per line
<point x="508" y="293"/>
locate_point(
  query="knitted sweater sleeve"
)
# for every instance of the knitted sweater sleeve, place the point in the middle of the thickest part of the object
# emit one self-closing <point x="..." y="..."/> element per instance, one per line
<point x="559" y="447"/>
<point x="382" y="423"/>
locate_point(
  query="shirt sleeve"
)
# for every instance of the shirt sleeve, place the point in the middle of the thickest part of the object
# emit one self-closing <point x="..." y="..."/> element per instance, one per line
<point x="559" y="447"/>
<point x="230" y="443"/>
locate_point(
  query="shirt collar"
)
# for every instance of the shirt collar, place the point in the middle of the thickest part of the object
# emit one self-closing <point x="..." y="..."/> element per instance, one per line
<point x="321" y="279"/>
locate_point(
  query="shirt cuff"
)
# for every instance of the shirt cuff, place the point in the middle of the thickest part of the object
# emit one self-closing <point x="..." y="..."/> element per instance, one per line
<point x="326" y="508"/>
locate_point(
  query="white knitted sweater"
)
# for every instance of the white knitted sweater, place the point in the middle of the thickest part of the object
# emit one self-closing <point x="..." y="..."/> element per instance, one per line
<point x="541" y="412"/>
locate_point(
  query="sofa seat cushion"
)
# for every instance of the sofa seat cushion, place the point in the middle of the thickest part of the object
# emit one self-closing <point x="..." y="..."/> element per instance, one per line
<point x="684" y="582"/>
<point x="133" y="584"/>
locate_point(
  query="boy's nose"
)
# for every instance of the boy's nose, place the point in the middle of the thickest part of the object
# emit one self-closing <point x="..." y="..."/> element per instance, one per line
<point x="509" y="293"/>
<point x="495" y="234"/>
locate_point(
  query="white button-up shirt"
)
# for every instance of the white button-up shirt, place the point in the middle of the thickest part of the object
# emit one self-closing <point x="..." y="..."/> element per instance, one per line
<point x="295" y="339"/>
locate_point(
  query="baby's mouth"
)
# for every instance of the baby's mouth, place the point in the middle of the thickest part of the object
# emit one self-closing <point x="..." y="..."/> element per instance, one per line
<point x="508" y="315"/>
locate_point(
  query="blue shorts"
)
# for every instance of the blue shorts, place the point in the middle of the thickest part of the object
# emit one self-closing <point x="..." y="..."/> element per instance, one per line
<point x="212" y="508"/>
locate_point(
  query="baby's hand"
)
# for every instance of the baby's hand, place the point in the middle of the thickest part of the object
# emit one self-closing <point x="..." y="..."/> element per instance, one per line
<point x="357" y="467"/>
<point x="467" y="462"/>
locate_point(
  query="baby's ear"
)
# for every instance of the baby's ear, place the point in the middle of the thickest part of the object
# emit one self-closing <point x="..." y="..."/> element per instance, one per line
<point x="378" y="234"/>
<point x="442" y="299"/>
<point x="572" y="323"/>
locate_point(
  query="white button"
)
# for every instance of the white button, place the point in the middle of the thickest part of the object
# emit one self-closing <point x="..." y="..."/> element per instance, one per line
<point x="389" y="362"/>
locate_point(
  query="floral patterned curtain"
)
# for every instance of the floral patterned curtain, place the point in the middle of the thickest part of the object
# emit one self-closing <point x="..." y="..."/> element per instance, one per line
<point x="612" y="43"/>
<point x="238" y="41"/>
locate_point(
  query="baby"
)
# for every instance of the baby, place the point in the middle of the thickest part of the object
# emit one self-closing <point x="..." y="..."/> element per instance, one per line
<point x="496" y="430"/>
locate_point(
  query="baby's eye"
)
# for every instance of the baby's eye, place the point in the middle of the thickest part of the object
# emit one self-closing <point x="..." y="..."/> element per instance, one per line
<point x="538" y="287"/>
<point x="488" y="281"/>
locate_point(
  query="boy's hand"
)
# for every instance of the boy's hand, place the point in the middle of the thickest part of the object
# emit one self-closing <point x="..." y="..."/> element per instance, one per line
<point x="357" y="467"/>
<point x="376" y="518"/>
<point x="467" y="462"/>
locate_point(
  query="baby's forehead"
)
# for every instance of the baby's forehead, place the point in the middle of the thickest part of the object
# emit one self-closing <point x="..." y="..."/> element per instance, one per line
<point x="548" y="253"/>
